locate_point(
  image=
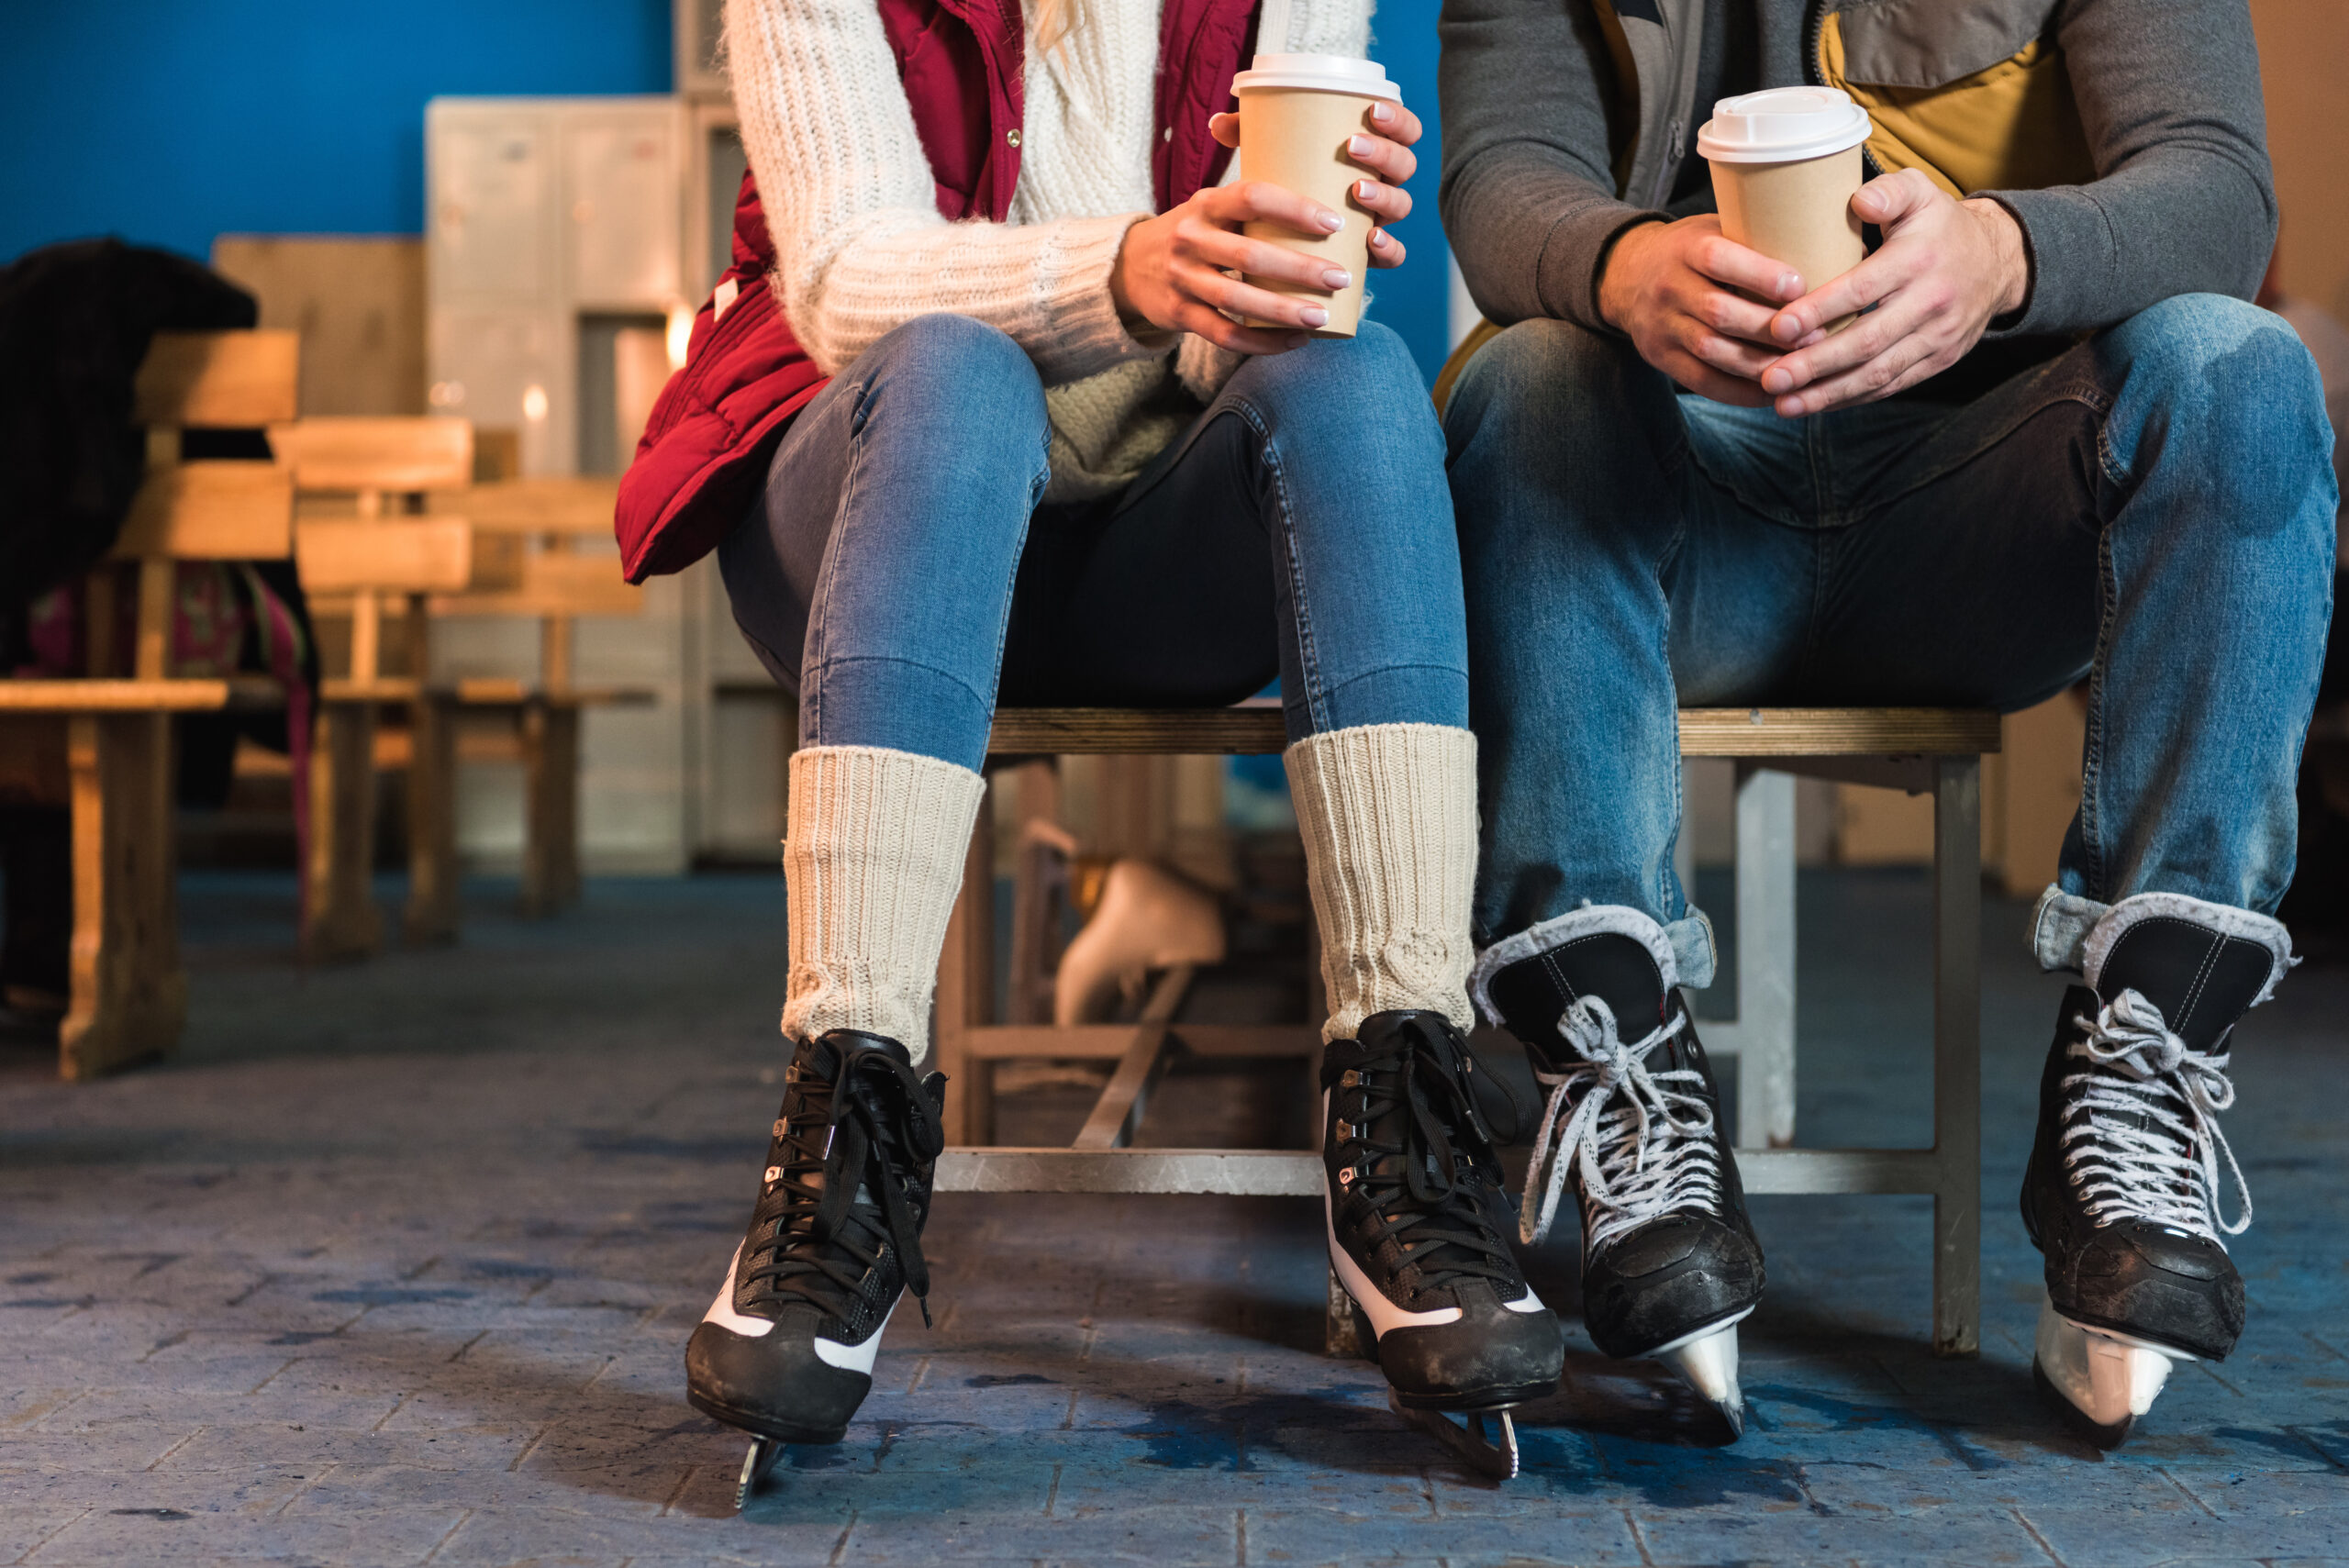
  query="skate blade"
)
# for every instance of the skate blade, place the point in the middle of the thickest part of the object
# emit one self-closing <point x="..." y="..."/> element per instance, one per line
<point x="2101" y="1381"/>
<point x="766" y="1453"/>
<point x="1706" y="1362"/>
<point x="1466" y="1439"/>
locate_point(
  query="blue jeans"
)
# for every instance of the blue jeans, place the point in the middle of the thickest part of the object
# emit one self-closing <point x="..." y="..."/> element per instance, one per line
<point x="2152" y="509"/>
<point x="1301" y="527"/>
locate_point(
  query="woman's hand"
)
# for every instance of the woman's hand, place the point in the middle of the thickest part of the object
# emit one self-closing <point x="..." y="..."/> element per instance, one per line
<point x="1174" y="269"/>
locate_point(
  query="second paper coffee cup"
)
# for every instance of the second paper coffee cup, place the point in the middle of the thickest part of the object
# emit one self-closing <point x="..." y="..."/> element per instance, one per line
<point x="1785" y="165"/>
<point x="1297" y="112"/>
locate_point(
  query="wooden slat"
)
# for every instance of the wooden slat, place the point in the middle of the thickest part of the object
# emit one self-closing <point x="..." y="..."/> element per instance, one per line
<point x="381" y="689"/>
<point x="219" y="380"/>
<point x="138" y="696"/>
<point x="555" y="583"/>
<point x="1704" y="732"/>
<point x="211" y="511"/>
<point x="537" y="506"/>
<point x="1837" y="732"/>
<point x="496" y="691"/>
<point x="396" y="456"/>
<point x="422" y="555"/>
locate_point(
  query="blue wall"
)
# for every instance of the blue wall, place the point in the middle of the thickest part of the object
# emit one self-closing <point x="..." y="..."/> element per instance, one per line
<point x="1415" y="299"/>
<point x="170" y="121"/>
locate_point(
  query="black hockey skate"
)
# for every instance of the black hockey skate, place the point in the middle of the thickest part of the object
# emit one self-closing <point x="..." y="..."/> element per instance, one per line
<point x="2122" y="1192"/>
<point x="785" y="1352"/>
<point x="1669" y="1262"/>
<point x="1418" y="1237"/>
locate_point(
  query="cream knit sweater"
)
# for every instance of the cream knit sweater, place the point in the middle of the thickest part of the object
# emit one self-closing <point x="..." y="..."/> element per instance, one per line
<point x="860" y="247"/>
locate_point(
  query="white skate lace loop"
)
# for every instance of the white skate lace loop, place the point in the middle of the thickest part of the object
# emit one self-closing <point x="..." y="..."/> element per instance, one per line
<point x="1647" y="1157"/>
<point x="2159" y="1165"/>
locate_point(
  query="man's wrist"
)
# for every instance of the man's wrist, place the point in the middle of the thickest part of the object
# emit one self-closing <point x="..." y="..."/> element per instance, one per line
<point x="1606" y="255"/>
<point x="2014" y="256"/>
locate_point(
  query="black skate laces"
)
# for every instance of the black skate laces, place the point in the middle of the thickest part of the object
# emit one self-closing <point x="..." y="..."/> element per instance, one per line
<point x="843" y="1140"/>
<point x="2140" y="1137"/>
<point x="1423" y="1190"/>
<point x="1642" y="1139"/>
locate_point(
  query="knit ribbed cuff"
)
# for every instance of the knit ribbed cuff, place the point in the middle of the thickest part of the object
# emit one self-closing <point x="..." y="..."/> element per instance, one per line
<point x="872" y="865"/>
<point x="1081" y="333"/>
<point x="1389" y="814"/>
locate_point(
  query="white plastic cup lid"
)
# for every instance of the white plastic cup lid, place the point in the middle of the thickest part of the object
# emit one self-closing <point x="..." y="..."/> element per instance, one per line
<point x="1782" y="125"/>
<point x="1318" y="73"/>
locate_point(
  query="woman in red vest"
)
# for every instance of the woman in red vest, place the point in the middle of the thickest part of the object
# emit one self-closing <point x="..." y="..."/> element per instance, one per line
<point x="1049" y="467"/>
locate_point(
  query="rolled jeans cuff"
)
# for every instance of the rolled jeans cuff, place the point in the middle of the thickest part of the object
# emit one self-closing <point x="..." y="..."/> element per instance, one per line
<point x="2060" y="927"/>
<point x="1693" y="949"/>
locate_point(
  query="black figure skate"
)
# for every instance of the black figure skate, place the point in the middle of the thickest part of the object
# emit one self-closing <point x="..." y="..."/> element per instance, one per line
<point x="2122" y="1195"/>
<point x="785" y="1352"/>
<point x="1669" y="1264"/>
<point x="1418" y="1237"/>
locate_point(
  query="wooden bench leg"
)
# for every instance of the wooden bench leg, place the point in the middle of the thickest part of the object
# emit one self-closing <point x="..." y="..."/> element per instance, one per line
<point x="1957" y="1055"/>
<point x="1766" y="959"/>
<point x="551" y="829"/>
<point x="431" y="915"/>
<point x="966" y="987"/>
<point x="129" y="994"/>
<point x="339" y="920"/>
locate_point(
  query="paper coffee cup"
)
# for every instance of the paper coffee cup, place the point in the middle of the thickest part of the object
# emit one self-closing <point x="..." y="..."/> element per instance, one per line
<point x="1785" y="165"/>
<point x="1297" y="113"/>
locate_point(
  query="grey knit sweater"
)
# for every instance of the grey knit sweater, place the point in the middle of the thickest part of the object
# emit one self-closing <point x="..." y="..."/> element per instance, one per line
<point x="2168" y="94"/>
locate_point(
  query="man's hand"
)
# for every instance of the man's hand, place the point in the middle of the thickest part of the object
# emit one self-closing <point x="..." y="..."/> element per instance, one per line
<point x="1671" y="288"/>
<point x="1945" y="269"/>
<point x="1173" y="270"/>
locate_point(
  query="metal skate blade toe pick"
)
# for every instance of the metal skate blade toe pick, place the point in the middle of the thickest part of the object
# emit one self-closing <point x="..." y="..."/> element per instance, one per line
<point x="757" y="1466"/>
<point x="1466" y="1439"/>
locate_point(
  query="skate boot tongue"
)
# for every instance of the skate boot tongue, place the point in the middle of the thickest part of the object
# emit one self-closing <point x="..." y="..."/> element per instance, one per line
<point x="2202" y="965"/>
<point x="1629" y="974"/>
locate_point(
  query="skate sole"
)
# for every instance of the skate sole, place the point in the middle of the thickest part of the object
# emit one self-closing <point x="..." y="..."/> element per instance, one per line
<point x="1466" y="1439"/>
<point x="761" y="1427"/>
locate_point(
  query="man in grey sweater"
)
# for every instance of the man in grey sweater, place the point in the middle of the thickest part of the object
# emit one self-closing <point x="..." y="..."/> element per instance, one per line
<point x="2056" y="445"/>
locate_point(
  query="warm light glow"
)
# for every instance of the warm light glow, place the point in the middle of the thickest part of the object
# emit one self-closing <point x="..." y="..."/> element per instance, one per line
<point x="446" y="393"/>
<point x="681" y="334"/>
<point x="534" y="403"/>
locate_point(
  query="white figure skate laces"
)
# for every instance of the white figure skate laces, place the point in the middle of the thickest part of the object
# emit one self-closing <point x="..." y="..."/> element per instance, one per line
<point x="2141" y="1138"/>
<point x="1642" y="1140"/>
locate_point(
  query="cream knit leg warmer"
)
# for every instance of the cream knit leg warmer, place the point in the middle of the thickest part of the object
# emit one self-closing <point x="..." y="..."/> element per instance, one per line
<point x="874" y="860"/>
<point x="1388" y="812"/>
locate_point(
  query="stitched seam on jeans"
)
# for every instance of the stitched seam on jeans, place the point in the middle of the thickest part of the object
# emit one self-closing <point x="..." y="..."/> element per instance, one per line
<point x="1461" y="675"/>
<point x="1317" y="712"/>
<point x="1036" y="487"/>
<point x="2092" y="752"/>
<point x="812" y="654"/>
<point x="947" y="676"/>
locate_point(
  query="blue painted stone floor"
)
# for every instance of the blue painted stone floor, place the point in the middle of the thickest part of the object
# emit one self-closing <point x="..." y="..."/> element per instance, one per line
<point x="395" y="1264"/>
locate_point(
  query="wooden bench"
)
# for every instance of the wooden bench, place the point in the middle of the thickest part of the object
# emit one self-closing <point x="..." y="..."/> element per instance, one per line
<point x="379" y="556"/>
<point x="129" y="997"/>
<point x="527" y="565"/>
<point x="1921" y="750"/>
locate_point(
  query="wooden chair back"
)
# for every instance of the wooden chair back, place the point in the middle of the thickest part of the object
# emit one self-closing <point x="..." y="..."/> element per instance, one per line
<point x="388" y="466"/>
<point x="527" y="564"/>
<point x="209" y="509"/>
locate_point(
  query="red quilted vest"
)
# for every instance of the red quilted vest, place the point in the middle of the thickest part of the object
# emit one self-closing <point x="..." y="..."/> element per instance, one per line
<point x="706" y="447"/>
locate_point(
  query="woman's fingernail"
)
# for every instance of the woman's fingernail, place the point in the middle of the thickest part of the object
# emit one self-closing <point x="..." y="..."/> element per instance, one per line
<point x="1360" y="146"/>
<point x="1777" y="381"/>
<point x="1382" y="113"/>
<point x="1333" y="221"/>
<point x="1378" y="240"/>
<point x="1336" y="278"/>
<point x="1314" y="316"/>
<point x="1366" y="190"/>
